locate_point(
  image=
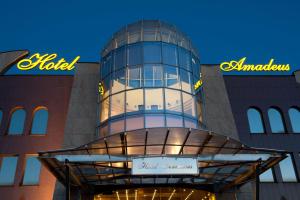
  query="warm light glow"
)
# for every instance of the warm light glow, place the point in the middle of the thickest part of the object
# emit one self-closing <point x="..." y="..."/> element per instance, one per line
<point x="118" y="195"/>
<point x="188" y="196"/>
<point x="135" y="195"/>
<point x="126" y="194"/>
<point x="154" y="194"/>
<point x="172" y="194"/>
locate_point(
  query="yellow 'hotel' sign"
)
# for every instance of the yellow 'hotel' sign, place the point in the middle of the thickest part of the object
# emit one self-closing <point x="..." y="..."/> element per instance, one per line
<point x="241" y="66"/>
<point x="45" y="62"/>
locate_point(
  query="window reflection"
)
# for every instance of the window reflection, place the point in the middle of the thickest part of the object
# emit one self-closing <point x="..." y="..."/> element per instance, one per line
<point x="104" y="109"/>
<point x="267" y="176"/>
<point x="186" y="82"/>
<point x="287" y="170"/>
<point x="255" y="121"/>
<point x="107" y="65"/>
<point x="117" y="104"/>
<point x="40" y="121"/>
<point x="199" y="104"/>
<point x="32" y="171"/>
<point x="152" y="52"/>
<point x="120" y="58"/>
<point x="172" y="77"/>
<point x="134" y="122"/>
<point x="174" y="121"/>
<point x="8" y="170"/>
<point x="184" y="58"/>
<point x="275" y="119"/>
<point x="153" y="75"/>
<point x="118" y="82"/>
<point x="190" y="123"/>
<point x="134" y="54"/>
<point x="134" y="100"/>
<point x="134" y="77"/>
<point x="106" y="86"/>
<point x="196" y="67"/>
<point x="154" y="121"/>
<point x="117" y="126"/>
<point x="294" y="115"/>
<point x="188" y="104"/>
<point x="169" y="54"/>
<point x="17" y="122"/>
<point x="154" y="99"/>
<point x="173" y="101"/>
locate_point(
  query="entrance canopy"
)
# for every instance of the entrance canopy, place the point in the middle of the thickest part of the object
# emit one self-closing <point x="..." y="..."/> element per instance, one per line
<point x="161" y="156"/>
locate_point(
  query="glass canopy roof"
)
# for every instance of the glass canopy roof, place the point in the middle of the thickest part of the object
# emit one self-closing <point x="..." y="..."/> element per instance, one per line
<point x="107" y="162"/>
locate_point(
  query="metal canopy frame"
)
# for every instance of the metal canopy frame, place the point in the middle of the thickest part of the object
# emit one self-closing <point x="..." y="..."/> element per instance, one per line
<point x="106" y="162"/>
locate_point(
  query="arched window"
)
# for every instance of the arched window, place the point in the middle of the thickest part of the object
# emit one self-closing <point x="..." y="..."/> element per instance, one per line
<point x="276" y="120"/>
<point x="17" y="121"/>
<point x="40" y="121"/>
<point x="294" y="114"/>
<point x="255" y="121"/>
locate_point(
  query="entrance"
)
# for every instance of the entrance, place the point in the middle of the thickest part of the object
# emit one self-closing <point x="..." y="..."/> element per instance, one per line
<point x="156" y="193"/>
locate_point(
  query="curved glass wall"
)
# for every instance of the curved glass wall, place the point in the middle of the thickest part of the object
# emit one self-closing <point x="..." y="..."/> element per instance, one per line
<point x="149" y="84"/>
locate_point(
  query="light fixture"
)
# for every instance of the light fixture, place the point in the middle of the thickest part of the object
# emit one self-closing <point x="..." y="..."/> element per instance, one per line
<point x="126" y="194"/>
<point x="188" y="196"/>
<point x="135" y="194"/>
<point x="172" y="194"/>
<point x="154" y="194"/>
<point x="118" y="195"/>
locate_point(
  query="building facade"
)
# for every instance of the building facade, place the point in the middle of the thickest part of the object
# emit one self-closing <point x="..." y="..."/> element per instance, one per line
<point x="80" y="136"/>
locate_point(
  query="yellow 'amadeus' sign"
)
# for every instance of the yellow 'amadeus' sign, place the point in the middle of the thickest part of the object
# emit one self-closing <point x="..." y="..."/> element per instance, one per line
<point x="198" y="84"/>
<point x="44" y="63"/>
<point x="241" y="66"/>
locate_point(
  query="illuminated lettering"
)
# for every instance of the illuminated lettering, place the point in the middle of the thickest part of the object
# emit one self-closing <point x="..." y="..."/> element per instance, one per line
<point x="198" y="84"/>
<point x="45" y="62"/>
<point x="101" y="89"/>
<point x="240" y="66"/>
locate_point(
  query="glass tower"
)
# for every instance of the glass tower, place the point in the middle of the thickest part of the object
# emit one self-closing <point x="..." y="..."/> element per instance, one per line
<point x="149" y="70"/>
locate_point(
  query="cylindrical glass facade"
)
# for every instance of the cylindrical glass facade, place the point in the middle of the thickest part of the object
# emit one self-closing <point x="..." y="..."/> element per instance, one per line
<point x="148" y="71"/>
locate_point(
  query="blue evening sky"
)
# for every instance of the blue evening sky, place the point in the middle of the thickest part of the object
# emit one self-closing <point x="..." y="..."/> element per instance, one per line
<point x="221" y="30"/>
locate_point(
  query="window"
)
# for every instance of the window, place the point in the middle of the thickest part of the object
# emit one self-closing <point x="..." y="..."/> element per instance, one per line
<point x="8" y="170"/>
<point x="134" y="100"/>
<point x="186" y="82"/>
<point x="154" y="100"/>
<point x="104" y="109"/>
<point x="134" y="122"/>
<point x="294" y="115"/>
<point x="134" y="54"/>
<point x="17" y="122"/>
<point x="174" y="121"/>
<point x="196" y="67"/>
<point x="117" y="126"/>
<point x="267" y="176"/>
<point x="118" y="82"/>
<point x="275" y="119"/>
<point x="40" y="121"/>
<point x="190" y="123"/>
<point x="107" y="65"/>
<point x="153" y="76"/>
<point x="134" y="77"/>
<point x="152" y="52"/>
<point x="106" y="86"/>
<point x="32" y="171"/>
<point x="169" y="54"/>
<point x="1" y="115"/>
<point x="154" y="121"/>
<point x="172" y="77"/>
<point x="184" y="58"/>
<point x="117" y="104"/>
<point x="173" y="101"/>
<point x="255" y="121"/>
<point x="120" y="58"/>
<point x="188" y="105"/>
<point x="287" y="169"/>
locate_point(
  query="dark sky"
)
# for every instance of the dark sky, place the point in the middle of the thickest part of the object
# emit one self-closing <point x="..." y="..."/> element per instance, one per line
<point x="221" y="30"/>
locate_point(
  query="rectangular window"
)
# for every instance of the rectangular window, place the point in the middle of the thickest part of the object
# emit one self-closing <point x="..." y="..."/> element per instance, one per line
<point x="120" y="58"/>
<point x="118" y="82"/>
<point x="134" y="54"/>
<point x="267" y="176"/>
<point x="186" y="82"/>
<point x="172" y="77"/>
<point x="287" y="170"/>
<point x="169" y="54"/>
<point x="154" y="121"/>
<point x="8" y="170"/>
<point x="134" y="100"/>
<point x="134" y="77"/>
<point x="117" y="104"/>
<point x="189" y="105"/>
<point x="154" y="99"/>
<point x="184" y="59"/>
<point x="152" y="52"/>
<point x="153" y="75"/>
<point x="173" y="101"/>
<point x="32" y="171"/>
<point x="104" y="109"/>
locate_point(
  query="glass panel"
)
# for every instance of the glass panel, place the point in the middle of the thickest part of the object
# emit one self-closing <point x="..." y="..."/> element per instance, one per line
<point x="134" y="100"/>
<point x="172" y="77"/>
<point x="184" y="59"/>
<point x="255" y="121"/>
<point x="117" y="104"/>
<point x="17" y="122"/>
<point x="134" y="77"/>
<point x="189" y="123"/>
<point x="154" y="121"/>
<point x="1" y="114"/>
<point x="152" y="52"/>
<point x="134" y="54"/>
<point x="8" y="170"/>
<point x="134" y="122"/>
<point x="174" y="121"/>
<point x="106" y="86"/>
<point x="196" y="67"/>
<point x="267" y="176"/>
<point x="120" y="58"/>
<point x="186" y="82"/>
<point x="154" y="99"/>
<point x="287" y="170"/>
<point x="169" y="54"/>
<point x="107" y="65"/>
<point x="32" y="171"/>
<point x="104" y="109"/>
<point x="104" y="130"/>
<point x="40" y="121"/>
<point x="173" y="101"/>
<point x="117" y="126"/>
<point x="134" y="33"/>
<point x="275" y="120"/>
<point x="294" y="114"/>
<point x="118" y="82"/>
<point x="153" y="76"/>
<point x="188" y="105"/>
<point x="199" y="104"/>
